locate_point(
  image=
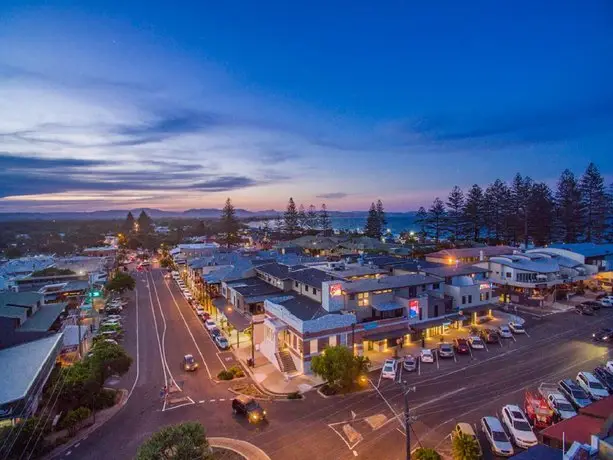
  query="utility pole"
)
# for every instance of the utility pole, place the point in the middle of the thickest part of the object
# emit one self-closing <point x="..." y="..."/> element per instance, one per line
<point x="407" y="420"/>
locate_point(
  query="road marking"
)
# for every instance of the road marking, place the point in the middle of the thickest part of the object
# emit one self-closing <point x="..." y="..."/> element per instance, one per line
<point x="137" y="349"/>
<point x="202" y="401"/>
<point x="437" y="357"/>
<point x="68" y="453"/>
<point x="157" y="333"/>
<point x="212" y="400"/>
<point x="221" y="361"/>
<point x="222" y="399"/>
<point x="526" y="332"/>
<point x="485" y="345"/>
<point x="190" y="332"/>
<point x="355" y="454"/>
<point x="77" y="444"/>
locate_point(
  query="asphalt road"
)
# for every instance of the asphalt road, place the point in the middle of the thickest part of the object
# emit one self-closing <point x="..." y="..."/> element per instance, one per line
<point x="558" y="346"/>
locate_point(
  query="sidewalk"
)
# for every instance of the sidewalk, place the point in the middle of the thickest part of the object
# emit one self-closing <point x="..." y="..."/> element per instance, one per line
<point x="244" y="448"/>
<point x="102" y="417"/>
<point x="272" y="380"/>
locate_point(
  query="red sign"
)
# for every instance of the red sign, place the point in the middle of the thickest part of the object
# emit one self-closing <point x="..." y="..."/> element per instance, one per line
<point x="413" y="308"/>
<point x="336" y="290"/>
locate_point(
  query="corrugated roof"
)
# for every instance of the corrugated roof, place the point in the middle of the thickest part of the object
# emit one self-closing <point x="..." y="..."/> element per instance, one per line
<point x="488" y="251"/>
<point x="451" y="270"/>
<point x="302" y="307"/>
<point x="599" y="409"/>
<point x="43" y="318"/>
<point x="388" y="282"/>
<point x="579" y="428"/>
<point x="586" y="249"/>
<point x="21" y="365"/>
<point x="539" y="452"/>
<point x="25" y="299"/>
<point x="311" y="277"/>
<point x="9" y="311"/>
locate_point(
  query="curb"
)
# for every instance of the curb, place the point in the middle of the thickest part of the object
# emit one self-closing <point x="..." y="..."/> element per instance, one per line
<point x="244" y="448"/>
<point x="342" y="395"/>
<point x="88" y="430"/>
<point x="258" y="385"/>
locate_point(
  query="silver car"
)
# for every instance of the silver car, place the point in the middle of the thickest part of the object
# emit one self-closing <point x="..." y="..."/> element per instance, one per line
<point x="496" y="436"/>
<point x="409" y="363"/>
<point x="445" y="350"/>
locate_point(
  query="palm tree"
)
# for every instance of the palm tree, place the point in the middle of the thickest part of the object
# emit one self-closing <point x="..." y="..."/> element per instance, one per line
<point x="425" y="453"/>
<point x="465" y="447"/>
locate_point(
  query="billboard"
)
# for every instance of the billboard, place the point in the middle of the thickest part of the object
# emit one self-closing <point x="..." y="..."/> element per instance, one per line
<point x="413" y="308"/>
<point x="336" y="290"/>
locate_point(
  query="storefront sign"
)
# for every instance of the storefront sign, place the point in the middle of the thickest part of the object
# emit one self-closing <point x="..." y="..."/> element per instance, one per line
<point x="336" y="290"/>
<point x="483" y="286"/>
<point x="413" y="308"/>
<point x="371" y="325"/>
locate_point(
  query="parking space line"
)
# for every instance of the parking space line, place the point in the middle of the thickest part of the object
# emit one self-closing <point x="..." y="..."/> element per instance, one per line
<point x="455" y="359"/>
<point x="400" y="373"/>
<point x="419" y="366"/>
<point x="485" y="345"/>
<point x="221" y="361"/>
<point x="436" y="357"/>
<point x="527" y="335"/>
<point x="513" y="337"/>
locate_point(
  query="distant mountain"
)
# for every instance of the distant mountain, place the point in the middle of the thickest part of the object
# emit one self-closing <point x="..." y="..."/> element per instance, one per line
<point x="160" y="214"/>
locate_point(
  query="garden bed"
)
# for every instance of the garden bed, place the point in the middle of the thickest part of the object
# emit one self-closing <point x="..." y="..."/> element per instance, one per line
<point x="220" y="453"/>
<point x="327" y="391"/>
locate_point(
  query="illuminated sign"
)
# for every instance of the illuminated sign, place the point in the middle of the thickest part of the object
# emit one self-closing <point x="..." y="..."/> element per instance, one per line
<point x="336" y="290"/>
<point x="413" y="308"/>
<point x="483" y="286"/>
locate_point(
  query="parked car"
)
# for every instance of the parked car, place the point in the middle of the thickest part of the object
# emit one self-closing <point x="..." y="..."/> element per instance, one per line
<point x="516" y="328"/>
<point x="518" y="427"/>
<point x="426" y="355"/>
<point x="215" y="332"/>
<point x="210" y="324"/>
<point x="489" y="336"/>
<point x="445" y="350"/>
<point x="466" y="430"/>
<point x="113" y="310"/>
<point x="200" y="311"/>
<point x="574" y="393"/>
<point x="557" y="401"/>
<point x="609" y="367"/>
<point x="409" y="363"/>
<point x="505" y="332"/>
<point x="110" y="322"/>
<point x="592" y="385"/>
<point x="249" y="407"/>
<point x="496" y="436"/>
<point x="606" y="302"/>
<point x="591" y="303"/>
<point x="113" y="317"/>
<point x="189" y="363"/>
<point x="603" y="335"/>
<point x="584" y="310"/>
<point x="461" y="346"/>
<point x="476" y="343"/>
<point x="389" y="369"/>
<point x="605" y="377"/>
<point x="221" y="342"/>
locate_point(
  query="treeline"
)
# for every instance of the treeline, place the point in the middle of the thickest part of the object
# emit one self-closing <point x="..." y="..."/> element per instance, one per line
<point x="579" y="209"/>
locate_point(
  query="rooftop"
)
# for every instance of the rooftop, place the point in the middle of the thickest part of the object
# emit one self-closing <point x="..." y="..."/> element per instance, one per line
<point x="586" y="249"/>
<point x="25" y="299"/>
<point x="44" y="318"/>
<point x="301" y="307"/>
<point x="71" y="334"/>
<point x="388" y="282"/>
<point x="447" y="271"/>
<point x="8" y="311"/>
<point x="277" y="270"/>
<point x="249" y="287"/>
<point x="488" y="251"/>
<point x="539" y="452"/>
<point x="416" y="265"/>
<point x="351" y="270"/>
<point x="21" y="365"/>
<point x="599" y="409"/>
<point x="523" y="262"/>
<point x="578" y="428"/>
<point x="311" y="277"/>
<point x="100" y="249"/>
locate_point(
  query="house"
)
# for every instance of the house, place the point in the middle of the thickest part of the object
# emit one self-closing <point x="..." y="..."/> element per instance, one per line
<point x="467" y="255"/>
<point x="25" y="371"/>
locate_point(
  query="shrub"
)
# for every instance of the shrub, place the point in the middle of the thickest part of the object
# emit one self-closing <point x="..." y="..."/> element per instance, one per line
<point x="237" y="371"/>
<point x="73" y="419"/>
<point x="294" y="395"/>
<point x="105" y="399"/>
<point x="425" y="453"/>
<point x="225" y="375"/>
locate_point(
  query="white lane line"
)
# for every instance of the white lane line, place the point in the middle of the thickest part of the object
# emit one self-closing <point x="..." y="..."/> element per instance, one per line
<point x="190" y="333"/>
<point x="201" y="401"/>
<point x="221" y="361"/>
<point x="180" y="405"/>
<point x="137" y="349"/>
<point x="157" y="336"/>
<point x="222" y="399"/>
<point x="355" y="454"/>
<point x="163" y="333"/>
<point x="212" y="400"/>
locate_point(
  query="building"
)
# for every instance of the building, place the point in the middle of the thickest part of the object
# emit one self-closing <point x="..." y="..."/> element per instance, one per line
<point x="594" y="256"/>
<point x="467" y="255"/>
<point x="184" y="252"/>
<point x="101" y="251"/>
<point x="532" y="278"/>
<point x="350" y="271"/>
<point x="25" y="370"/>
<point x="69" y="291"/>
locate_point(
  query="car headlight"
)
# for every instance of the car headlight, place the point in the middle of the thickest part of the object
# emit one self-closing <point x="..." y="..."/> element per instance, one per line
<point x="264" y="412"/>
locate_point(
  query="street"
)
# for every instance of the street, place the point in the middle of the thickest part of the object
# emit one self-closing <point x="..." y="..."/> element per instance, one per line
<point x="161" y="328"/>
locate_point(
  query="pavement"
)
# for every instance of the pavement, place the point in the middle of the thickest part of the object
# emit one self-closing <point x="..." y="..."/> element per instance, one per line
<point x="161" y="328"/>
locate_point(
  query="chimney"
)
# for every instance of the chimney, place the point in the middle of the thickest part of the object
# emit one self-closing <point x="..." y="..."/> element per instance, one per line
<point x="481" y="255"/>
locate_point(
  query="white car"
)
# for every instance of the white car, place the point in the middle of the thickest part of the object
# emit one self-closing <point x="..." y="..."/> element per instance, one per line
<point x="606" y="302"/>
<point x="210" y="324"/>
<point x="518" y="426"/>
<point x="200" y="311"/>
<point x="609" y="367"/>
<point x="114" y="342"/>
<point x="560" y="405"/>
<point x="496" y="436"/>
<point x="592" y="385"/>
<point x="426" y="356"/>
<point x="476" y="343"/>
<point x="505" y="332"/>
<point x="389" y="369"/>
<point x="111" y="322"/>
<point x="516" y="328"/>
<point x="112" y="318"/>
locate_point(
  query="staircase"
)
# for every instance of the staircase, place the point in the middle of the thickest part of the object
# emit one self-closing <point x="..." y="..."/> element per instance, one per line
<point x="285" y="361"/>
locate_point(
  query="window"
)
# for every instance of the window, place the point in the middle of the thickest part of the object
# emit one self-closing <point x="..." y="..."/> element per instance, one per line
<point x="482" y="297"/>
<point x="363" y="299"/>
<point x="463" y="299"/>
<point x="351" y="296"/>
<point x="436" y="286"/>
<point x="313" y="347"/>
<point x="508" y="274"/>
<point x="314" y="291"/>
<point x="470" y="299"/>
<point x="487" y="296"/>
<point x="296" y="283"/>
<point x="333" y="341"/>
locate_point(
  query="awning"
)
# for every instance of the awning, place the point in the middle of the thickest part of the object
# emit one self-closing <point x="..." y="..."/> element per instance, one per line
<point x="387" y="306"/>
<point x="437" y="321"/>
<point x="395" y="334"/>
<point x="234" y="316"/>
<point x="476" y="308"/>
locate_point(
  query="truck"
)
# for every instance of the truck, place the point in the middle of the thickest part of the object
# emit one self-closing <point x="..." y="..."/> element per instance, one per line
<point x="538" y="411"/>
<point x="561" y="407"/>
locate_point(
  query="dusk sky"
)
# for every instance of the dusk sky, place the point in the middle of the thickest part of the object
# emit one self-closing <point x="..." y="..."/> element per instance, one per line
<point x="126" y="104"/>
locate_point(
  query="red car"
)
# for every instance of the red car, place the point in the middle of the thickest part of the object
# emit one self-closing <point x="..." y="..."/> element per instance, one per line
<point x="461" y="346"/>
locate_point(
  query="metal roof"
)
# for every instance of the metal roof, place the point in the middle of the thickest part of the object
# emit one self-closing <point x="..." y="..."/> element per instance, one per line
<point x="24" y="299"/>
<point x="447" y="271"/>
<point x="522" y="262"/>
<point x="21" y="365"/>
<point x="43" y="318"/>
<point x="311" y="277"/>
<point x="302" y="307"/>
<point x="388" y="282"/>
<point x="586" y="249"/>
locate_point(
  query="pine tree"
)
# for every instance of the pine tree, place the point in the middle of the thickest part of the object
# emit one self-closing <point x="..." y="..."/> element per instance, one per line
<point x="421" y="219"/>
<point x="302" y="218"/>
<point x="381" y="216"/>
<point x="279" y="224"/>
<point x="229" y="224"/>
<point x="594" y="204"/>
<point x="324" y="220"/>
<point x="436" y="218"/>
<point x="290" y="219"/>
<point x="541" y="208"/>
<point x="312" y="218"/>
<point x="373" y="223"/>
<point x="455" y="205"/>
<point x="145" y="225"/>
<point x="518" y="209"/>
<point x="568" y="208"/>
<point x="497" y="195"/>
<point x="128" y="225"/>
<point x="473" y="213"/>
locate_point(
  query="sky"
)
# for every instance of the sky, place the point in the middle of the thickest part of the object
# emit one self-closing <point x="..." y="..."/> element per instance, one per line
<point x="177" y="105"/>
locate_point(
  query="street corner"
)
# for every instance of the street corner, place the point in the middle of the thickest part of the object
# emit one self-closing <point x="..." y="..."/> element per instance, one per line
<point x="355" y="429"/>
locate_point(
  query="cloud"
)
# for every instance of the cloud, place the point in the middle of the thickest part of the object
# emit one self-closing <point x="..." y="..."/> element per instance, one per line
<point x="333" y="195"/>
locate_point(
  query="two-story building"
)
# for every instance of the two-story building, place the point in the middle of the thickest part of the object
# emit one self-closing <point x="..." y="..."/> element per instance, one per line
<point x="468" y="255"/>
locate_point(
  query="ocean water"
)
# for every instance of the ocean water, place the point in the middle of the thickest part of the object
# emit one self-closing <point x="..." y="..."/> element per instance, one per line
<point x="395" y="224"/>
